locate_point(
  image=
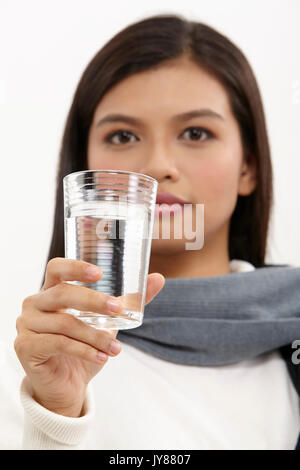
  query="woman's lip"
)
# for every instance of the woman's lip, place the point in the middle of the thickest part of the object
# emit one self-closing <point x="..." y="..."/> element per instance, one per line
<point x="168" y="209"/>
<point x="168" y="198"/>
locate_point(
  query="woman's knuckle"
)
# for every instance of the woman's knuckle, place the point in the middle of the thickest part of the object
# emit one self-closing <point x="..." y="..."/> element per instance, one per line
<point x="20" y="323"/>
<point x="66" y="322"/>
<point x="19" y="344"/>
<point x="53" y="262"/>
<point x="27" y="302"/>
<point x="60" y="292"/>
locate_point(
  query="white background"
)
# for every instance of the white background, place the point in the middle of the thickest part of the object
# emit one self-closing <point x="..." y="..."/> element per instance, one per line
<point x="44" y="48"/>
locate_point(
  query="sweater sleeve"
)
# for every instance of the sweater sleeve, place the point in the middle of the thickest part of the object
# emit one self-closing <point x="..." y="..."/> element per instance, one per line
<point x="44" y="429"/>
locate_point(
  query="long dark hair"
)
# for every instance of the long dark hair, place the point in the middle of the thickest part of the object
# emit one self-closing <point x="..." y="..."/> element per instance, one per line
<point x="141" y="46"/>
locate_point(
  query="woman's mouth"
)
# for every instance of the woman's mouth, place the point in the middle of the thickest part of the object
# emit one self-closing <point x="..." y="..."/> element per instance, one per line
<point x="167" y="203"/>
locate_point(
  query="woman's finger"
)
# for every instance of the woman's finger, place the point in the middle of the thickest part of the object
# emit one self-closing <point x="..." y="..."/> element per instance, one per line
<point x="37" y="348"/>
<point x="70" y="296"/>
<point x="155" y="283"/>
<point x="64" y="269"/>
<point x="68" y="325"/>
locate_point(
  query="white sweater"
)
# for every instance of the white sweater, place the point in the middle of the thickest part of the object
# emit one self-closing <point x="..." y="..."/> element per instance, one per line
<point x="138" y="402"/>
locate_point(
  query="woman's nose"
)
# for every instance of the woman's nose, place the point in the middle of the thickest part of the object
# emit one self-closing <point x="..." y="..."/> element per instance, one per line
<point x="160" y="165"/>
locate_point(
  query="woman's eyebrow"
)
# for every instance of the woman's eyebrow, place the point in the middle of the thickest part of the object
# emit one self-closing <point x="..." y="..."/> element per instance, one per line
<point x="117" y="117"/>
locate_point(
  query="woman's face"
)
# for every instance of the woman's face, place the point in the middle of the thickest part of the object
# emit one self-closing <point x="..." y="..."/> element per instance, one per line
<point x="198" y="158"/>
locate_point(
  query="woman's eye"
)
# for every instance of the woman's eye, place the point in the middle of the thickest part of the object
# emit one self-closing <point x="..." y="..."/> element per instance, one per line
<point x="119" y="137"/>
<point x="198" y="133"/>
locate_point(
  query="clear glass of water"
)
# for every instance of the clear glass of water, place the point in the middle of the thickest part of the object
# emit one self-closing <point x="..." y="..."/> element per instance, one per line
<point x="108" y="221"/>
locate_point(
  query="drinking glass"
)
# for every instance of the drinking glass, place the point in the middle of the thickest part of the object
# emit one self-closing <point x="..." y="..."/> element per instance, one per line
<point x="108" y="221"/>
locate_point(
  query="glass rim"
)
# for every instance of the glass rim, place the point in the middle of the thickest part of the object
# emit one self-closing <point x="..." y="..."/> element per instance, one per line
<point x="125" y="172"/>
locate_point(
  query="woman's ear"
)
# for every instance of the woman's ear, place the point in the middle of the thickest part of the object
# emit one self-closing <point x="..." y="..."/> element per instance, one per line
<point x="247" y="181"/>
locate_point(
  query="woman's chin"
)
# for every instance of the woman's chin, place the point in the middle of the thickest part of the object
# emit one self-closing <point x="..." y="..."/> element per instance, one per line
<point x="168" y="246"/>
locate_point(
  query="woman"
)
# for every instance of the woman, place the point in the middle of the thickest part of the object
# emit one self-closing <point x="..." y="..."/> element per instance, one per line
<point x="178" y="101"/>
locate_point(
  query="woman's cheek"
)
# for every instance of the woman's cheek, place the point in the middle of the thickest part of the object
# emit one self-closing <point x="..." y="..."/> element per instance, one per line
<point x="216" y="187"/>
<point x="213" y="180"/>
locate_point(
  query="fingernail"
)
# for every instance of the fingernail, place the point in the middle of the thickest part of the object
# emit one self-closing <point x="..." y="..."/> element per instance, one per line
<point x="101" y="356"/>
<point x="115" y="347"/>
<point x="92" y="271"/>
<point x="113" y="305"/>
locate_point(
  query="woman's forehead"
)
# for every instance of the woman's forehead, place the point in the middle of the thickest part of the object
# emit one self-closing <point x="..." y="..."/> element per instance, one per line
<point x="169" y="90"/>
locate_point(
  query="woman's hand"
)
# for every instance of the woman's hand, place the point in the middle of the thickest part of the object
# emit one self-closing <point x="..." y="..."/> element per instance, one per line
<point x="59" y="353"/>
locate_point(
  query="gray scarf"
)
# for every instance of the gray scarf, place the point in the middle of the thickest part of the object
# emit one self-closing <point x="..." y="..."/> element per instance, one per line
<point x="223" y="319"/>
